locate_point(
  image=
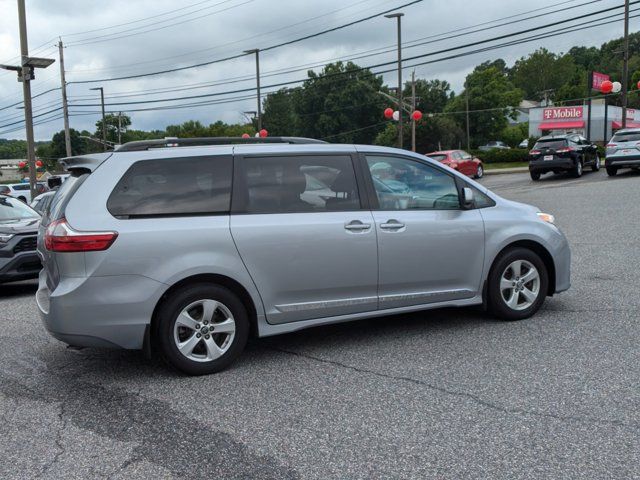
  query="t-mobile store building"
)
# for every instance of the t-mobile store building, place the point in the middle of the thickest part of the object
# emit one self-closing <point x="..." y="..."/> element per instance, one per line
<point x="558" y="120"/>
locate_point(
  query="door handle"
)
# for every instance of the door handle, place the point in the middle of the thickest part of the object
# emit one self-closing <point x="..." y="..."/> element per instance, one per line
<point x="392" y="225"/>
<point x="357" y="226"/>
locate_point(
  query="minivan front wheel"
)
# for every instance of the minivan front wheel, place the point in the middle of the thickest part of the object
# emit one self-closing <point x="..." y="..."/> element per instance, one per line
<point x="518" y="284"/>
<point x="202" y="329"/>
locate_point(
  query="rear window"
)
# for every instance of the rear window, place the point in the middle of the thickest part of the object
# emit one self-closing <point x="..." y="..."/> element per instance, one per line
<point x="626" y="137"/>
<point x="62" y="196"/>
<point x="552" y="143"/>
<point x="173" y="187"/>
<point x="438" y="158"/>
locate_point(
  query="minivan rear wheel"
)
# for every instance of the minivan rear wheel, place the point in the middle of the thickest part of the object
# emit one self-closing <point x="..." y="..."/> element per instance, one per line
<point x="202" y="329"/>
<point x="518" y="284"/>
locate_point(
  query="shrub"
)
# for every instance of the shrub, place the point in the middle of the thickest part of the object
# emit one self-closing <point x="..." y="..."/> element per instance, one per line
<point x="502" y="156"/>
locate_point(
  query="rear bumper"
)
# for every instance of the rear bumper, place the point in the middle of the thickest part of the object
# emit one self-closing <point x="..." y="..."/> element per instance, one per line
<point x="110" y="312"/>
<point x="21" y="267"/>
<point x="543" y="166"/>
<point x="623" y="161"/>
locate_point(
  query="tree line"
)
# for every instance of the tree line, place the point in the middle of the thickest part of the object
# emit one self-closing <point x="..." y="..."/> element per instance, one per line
<point x="345" y="103"/>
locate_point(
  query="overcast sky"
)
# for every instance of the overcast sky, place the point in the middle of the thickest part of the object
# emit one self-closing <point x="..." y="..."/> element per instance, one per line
<point x="125" y="37"/>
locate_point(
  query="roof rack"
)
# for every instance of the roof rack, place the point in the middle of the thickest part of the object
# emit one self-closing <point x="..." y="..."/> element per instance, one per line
<point x="193" y="142"/>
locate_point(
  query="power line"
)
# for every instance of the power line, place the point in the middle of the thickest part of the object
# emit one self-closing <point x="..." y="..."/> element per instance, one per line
<point x="99" y="40"/>
<point x="244" y="54"/>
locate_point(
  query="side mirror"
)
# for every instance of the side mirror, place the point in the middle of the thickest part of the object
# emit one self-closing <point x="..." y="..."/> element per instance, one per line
<point x="467" y="197"/>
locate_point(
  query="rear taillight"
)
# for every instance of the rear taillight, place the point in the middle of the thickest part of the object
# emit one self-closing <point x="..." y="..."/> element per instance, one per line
<point x="611" y="145"/>
<point x="564" y="150"/>
<point x="534" y="152"/>
<point x="61" y="237"/>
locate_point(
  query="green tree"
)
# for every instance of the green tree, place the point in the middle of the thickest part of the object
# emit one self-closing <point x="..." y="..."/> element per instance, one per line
<point x="341" y="102"/>
<point x="514" y="134"/>
<point x="492" y="99"/>
<point x="279" y="116"/>
<point x="542" y="73"/>
<point x="114" y="124"/>
<point x="432" y="95"/>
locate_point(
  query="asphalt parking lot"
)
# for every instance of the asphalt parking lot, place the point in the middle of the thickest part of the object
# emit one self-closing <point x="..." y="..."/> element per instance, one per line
<point x="439" y="394"/>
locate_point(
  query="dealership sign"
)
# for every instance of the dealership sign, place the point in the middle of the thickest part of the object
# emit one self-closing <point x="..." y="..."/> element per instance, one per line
<point x="562" y="113"/>
<point x="597" y="79"/>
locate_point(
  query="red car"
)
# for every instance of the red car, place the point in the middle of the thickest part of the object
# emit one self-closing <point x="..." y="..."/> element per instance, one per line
<point x="461" y="161"/>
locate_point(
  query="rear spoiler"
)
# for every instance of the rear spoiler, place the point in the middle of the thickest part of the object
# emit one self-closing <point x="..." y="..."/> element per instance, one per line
<point x="84" y="162"/>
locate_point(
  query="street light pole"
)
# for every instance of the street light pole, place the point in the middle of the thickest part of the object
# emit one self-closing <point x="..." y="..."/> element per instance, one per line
<point x="26" y="90"/>
<point x="65" y="105"/>
<point x="625" y="67"/>
<point x="104" y="118"/>
<point x="259" y="111"/>
<point x="399" y="16"/>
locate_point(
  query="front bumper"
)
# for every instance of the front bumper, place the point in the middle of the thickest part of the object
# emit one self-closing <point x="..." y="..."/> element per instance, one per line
<point x="544" y="166"/>
<point x="22" y="266"/>
<point x="111" y="311"/>
<point x="622" y="161"/>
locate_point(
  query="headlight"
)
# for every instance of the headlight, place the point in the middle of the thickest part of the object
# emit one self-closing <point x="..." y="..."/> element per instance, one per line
<point x="547" y="217"/>
<point x="5" y="237"/>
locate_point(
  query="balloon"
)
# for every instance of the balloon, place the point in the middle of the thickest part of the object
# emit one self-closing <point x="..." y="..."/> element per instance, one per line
<point x="39" y="163"/>
<point x="396" y="115"/>
<point x="388" y="112"/>
<point x="246" y="135"/>
<point x="263" y="133"/>
<point x="257" y="135"/>
<point x="417" y="115"/>
<point x="616" y="87"/>
<point x="606" y="86"/>
<point x="638" y="85"/>
<point x="22" y="165"/>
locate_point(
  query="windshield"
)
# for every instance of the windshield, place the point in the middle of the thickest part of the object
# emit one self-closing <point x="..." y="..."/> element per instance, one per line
<point x="12" y="209"/>
<point x="551" y="143"/>
<point x="626" y="137"/>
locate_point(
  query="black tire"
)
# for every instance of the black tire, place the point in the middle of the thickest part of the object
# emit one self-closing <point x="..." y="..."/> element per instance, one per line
<point x="596" y="164"/>
<point x="612" y="171"/>
<point x="173" y="306"/>
<point x="495" y="300"/>
<point x="577" y="169"/>
<point x="535" y="176"/>
<point x="479" y="172"/>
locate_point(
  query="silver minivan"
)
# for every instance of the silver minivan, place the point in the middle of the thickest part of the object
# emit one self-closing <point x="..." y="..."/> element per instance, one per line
<point x="186" y="248"/>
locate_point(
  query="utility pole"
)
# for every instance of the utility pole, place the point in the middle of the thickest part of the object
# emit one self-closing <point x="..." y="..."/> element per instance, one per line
<point x="413" y="109"/>
<point x="119" y="128"/>
<point x="466" y="99"/>
<point x="399" y="16"/>
<point x="256" y="51"/>
<point x="104" y="118"/>
<point x="625" y="67"/>
<point x="26" y="90"/>
<point x="65" y="105"/>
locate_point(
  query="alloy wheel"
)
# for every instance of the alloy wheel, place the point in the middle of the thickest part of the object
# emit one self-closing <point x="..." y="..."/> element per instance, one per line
<point x="204" y="330"/>
<point x="520" y="285"/>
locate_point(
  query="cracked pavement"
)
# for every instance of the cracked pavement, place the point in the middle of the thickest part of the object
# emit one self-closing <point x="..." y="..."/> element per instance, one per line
<point x="440" y="394"/>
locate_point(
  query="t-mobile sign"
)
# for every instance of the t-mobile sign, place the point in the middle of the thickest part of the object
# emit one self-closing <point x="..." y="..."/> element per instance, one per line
<point x="562" y="113"/>
<point x="597" y="79"/>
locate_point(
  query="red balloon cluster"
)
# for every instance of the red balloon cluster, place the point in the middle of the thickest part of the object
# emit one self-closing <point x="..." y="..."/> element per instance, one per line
<point x="606" y="86"/>
<point x="638" y="85"/>
<point x="388" y="113"/>
<point x="22" y="164"/>
<point x="263" y="133"/>
<point x="246" y="135"/>
<point x="417" y="115"/>
<point x="39" y="163"/>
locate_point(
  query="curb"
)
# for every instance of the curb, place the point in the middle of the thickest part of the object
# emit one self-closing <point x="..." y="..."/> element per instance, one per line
<point x="502" y="171"/>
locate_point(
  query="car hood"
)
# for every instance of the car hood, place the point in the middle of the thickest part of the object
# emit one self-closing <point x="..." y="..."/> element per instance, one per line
<point x="27" y="225"/>
<point x="525" y="207"/>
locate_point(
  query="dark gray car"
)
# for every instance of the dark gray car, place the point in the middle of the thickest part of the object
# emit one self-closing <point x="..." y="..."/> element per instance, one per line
<point x="18" y="236"/>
